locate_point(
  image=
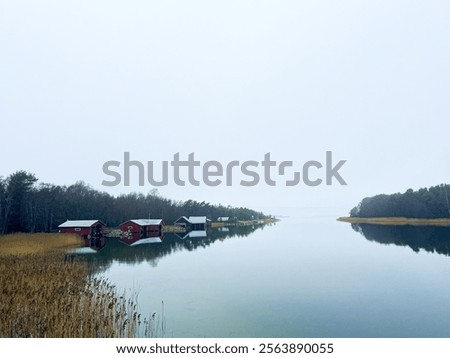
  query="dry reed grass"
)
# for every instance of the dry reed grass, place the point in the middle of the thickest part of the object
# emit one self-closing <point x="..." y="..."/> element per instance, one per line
<point x="396" y="221"/>
<point x="22" y="244"/>
<point x="45" y="293"/>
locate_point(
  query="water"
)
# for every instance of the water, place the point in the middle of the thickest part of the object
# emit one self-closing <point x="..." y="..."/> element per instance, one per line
<point x="303" y="277"/>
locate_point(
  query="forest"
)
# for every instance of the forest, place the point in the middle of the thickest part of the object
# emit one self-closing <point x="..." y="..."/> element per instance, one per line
<point x="427" y="203"/>
<point x="26" y="205"/>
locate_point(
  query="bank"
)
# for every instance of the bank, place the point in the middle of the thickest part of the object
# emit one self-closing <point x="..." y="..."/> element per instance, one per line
<point x="396" y="221"/>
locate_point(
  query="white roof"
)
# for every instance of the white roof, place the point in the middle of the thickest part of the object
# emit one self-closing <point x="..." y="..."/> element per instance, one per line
<point x="145" y="222"/>
<point x="197" y="219"/>
<point x="78" y="223"/>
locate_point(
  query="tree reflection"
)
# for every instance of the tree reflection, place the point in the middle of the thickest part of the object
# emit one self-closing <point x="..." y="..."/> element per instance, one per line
<point x="435" y="239"/>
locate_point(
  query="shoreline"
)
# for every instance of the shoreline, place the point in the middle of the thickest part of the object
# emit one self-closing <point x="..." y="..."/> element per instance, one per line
<point x="115" y="231"/>
<point x="396" y="221"/>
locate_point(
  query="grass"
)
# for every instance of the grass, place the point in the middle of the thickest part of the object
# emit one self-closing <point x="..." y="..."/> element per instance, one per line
<point x="396" y="221"/>
<point x="45" y="293"/>
<point x="24" y="244"/>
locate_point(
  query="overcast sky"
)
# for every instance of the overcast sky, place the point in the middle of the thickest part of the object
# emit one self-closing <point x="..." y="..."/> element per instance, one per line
<point x="84" y="81"/>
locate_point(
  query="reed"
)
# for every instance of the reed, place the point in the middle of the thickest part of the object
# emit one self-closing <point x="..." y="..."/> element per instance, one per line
<point x="40" y="243"/>
<point x="46" y="293"/>
<point x="396" y="221"/>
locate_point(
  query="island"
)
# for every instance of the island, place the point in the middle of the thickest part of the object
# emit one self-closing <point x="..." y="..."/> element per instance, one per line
<point x="423" y="207"/>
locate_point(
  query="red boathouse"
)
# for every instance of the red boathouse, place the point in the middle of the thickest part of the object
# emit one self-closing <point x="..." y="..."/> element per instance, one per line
<point x="85" y="228"/>
<point x="141" y="228"/>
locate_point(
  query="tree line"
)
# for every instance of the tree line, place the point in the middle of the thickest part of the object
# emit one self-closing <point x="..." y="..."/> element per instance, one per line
<point x="431" y="203"/>
<point x="29" y="206"/>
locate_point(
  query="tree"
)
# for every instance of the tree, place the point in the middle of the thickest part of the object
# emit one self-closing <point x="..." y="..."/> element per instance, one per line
<point x="26" y="206"/>
<point x="429" y="203"/>
<point x="2" y="203"/>
<point x="18" y="186"/>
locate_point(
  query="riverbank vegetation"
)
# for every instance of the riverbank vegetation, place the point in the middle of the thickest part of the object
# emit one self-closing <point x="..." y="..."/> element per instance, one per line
<point x="39" y="244"/>
<point x="29" y="206"/>
<point x="46" y="293"/>
<point x="425" y="203"/>
<point x="398" y="221"/>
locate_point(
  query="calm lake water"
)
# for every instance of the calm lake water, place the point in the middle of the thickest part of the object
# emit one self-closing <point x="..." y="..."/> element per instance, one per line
<point x="306" y="276"/>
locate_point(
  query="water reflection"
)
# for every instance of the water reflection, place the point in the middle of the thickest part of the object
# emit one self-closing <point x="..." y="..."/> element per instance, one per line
<point x="435" y="239"/>
<point x="192" y="234"/>
<point x="157" y="239"/>
<point x="91" y="246"/>
<point x="151" y="249"/>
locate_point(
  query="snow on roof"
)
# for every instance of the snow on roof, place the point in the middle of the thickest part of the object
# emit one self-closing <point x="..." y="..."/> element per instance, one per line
<point x="197" y="219"/>
<point x="79" y="223"/>
<point x="145" y="222"/>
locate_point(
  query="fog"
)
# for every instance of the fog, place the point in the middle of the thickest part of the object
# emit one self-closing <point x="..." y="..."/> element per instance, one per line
<point x="83" y="82"/>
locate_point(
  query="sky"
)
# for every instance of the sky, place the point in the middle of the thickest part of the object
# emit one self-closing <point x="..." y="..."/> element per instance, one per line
<point x="82" y="82"/>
